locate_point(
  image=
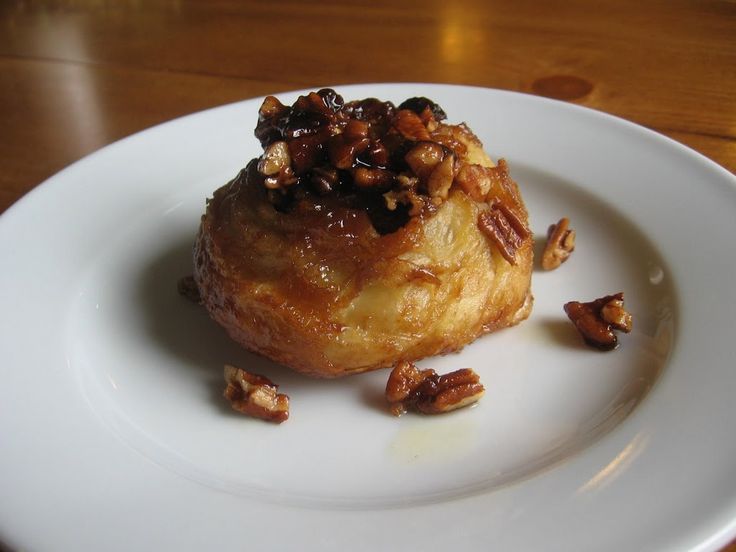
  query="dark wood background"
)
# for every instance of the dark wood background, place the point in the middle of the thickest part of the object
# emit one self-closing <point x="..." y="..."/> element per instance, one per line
<point x="77" y="75"/>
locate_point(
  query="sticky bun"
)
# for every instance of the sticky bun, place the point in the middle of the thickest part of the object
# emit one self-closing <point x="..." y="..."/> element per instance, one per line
<point x="364" y="235"/>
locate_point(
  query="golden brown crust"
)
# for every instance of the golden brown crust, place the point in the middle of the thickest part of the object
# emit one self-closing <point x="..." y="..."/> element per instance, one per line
<point x="330" y="305"/>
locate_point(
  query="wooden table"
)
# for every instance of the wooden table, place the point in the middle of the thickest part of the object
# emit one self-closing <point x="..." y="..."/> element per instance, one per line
<point x="76" y="75"/>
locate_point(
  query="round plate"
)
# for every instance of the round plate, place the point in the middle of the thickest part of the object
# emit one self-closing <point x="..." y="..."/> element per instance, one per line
<point x="115" y="434"/>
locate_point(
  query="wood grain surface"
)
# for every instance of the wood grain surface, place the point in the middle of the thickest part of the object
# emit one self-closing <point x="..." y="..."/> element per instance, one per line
<point x="76" y="75"/>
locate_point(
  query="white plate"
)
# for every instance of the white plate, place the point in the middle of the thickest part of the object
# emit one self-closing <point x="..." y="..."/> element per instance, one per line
<point x="114" y="436"/>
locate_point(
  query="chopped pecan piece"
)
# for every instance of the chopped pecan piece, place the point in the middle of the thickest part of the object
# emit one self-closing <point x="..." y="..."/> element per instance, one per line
<point x="282" y="179"/>
<point x="429" y="393"/>
<point x="475" y="180"/>
<point x="271" y="107"/>
<point x="324" y="179"/>
<point x="356" y="130"/>
<point x="614" y="313"/>
<point x="423" y="158"/>
<point x="379" y="179"/>
<point x="505" y="230"/>
<point x="274" y="159"/>
<point x="378" y="154"/>
<point x="560" y="244"/>
<point x="421" y="105"/>
<point x="188" y="289"/>
<point x="410" y="125"/>
<point x="597" y="320"/>
<point x="343" y="149"/>
<point x="440" y="180"/>
<point x="428" y="119"/>
<point x="408" y="197"/>
<point x="255" y="395"/>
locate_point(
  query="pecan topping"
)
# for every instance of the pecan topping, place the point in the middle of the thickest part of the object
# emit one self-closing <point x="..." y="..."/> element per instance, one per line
<point x="275" y="165"/>
<point x="475" y="180"/>
<point x="428" y="119"/>
<point x="597" y="319"/>
<point x="410" y="125"/>
<point x="421" y="105"/>
<point x="255" y="395"/>
<point x="284" y="178"/>
<point x="505" y="230"/>
<point x="271" y="107"/>
<point x="356" y="130"/>
<point x="188" y="289"/>
<point x="423" y="158"/>
<point x="344" y="148"/>
<point x="381" y="179"/>
<point x="324" y="179"/>
<point x="275" y="158"/>
<point x="378" y="154"/>
<point x="440" y="180"/>
<point x="560" y="244"/>
<point x="358" y="151"/>
<point x="429" y="393"/>
<point x="614" y="313"/>
<point x="404" y="196"/>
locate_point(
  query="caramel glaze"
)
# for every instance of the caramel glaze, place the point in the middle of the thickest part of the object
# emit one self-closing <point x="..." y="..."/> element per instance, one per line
<point x="353" y="242"/>
<point x="335" y="245"/>
<point x="353" y="151"/>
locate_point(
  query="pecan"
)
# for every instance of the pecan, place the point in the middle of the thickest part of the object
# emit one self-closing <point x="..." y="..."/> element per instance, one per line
<point x="356" y="130"/>
<point x="426" y="115"/>
<point x="271" y="107"/>
<point x="428" y="119"/>
<point x="342" y="149"/>
<point x="423" y="158"/>
<point x="421" y="105"/>
<point x="324" y="179"/>
<point x="452" y="137"/>
<point x="560" y="244"/>
<point x="407" y="182"/>
<point x="475" y="180"/>
<point x="410" y="125"/>
<point x="379" y="179"/>
<point x="318" y="102"/>
<point x="283" y="179"/>
<point x="306" y="150"/>
<point x="188" y="289"/>
<point x="429" y="393"/>
<point x="440" y="180"/>
<point x="597" y="320"/>
<point x="255" y="395"/>
<point x="270" y="118"/>
<point x="275" y="158"/>
<point x="616" y="315"/>
<point x="406" y="196"/>
<point x="378" y="154"/>
<point x="505" y="229"/>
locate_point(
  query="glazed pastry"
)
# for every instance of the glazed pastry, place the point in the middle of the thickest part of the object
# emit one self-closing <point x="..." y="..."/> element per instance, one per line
<point x="364" y="235"/>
